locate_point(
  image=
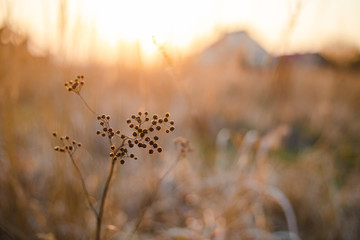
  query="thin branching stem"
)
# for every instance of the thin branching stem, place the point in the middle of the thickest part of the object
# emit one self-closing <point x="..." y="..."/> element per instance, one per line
<point x="86" y="104"/>
<point x="103" y="198"/>
<point x="83" y="185"/>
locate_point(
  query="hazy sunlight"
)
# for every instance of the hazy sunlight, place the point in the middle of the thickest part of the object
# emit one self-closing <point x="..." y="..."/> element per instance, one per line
<point x="118" y="30"/>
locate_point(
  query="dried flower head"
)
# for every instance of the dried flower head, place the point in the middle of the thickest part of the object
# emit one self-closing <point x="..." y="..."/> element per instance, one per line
<point x="75" y="85"/>
<point x="66" y="144"/>
<point x="141" y="134"/>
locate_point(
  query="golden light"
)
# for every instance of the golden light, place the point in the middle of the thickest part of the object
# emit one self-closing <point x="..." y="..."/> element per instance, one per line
<point x="134" y="23"/>
<point x="118" y="30"/>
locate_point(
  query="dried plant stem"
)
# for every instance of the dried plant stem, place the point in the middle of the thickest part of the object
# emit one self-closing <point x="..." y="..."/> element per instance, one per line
<point x="99" y="215"/>
<point x="83" y="185"/>
<point x="103" y="198"/>
<point x="86" y="104"/>
<point x="119" y="152"/>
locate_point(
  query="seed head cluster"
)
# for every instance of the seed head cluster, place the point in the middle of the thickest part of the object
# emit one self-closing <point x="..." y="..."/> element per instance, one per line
<point x="75" y="85"/>
<point x="143" y="134"/>
<point x="67" y="145"/>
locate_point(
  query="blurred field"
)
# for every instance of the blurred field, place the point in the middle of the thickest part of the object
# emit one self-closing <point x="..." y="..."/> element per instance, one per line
<point x="276" y="147"/>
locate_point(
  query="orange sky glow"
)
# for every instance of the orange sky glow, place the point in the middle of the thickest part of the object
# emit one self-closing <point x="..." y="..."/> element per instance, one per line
<point x="116" y="30"/>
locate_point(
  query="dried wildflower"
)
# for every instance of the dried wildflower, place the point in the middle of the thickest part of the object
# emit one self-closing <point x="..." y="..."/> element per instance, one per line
<point x="75" y="85"/>
<point x="66" y="144"/>
<point x="120" y="144"/>
<point x="139" y="138"/>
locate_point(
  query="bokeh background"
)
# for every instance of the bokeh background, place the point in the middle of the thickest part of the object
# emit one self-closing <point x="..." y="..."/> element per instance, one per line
<point x="267" y="93"/>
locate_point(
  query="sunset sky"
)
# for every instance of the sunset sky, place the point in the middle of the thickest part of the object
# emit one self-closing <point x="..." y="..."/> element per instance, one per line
<point x="112" y="30"/>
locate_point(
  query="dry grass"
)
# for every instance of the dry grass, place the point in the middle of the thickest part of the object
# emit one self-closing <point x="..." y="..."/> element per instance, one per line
<point x="261" y="168"/>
